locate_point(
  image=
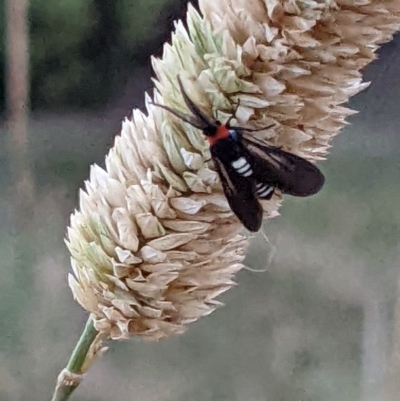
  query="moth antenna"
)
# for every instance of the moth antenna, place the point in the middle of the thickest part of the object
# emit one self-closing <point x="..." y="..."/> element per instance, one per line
<point x="182" y="116"/>
<point x="192" y="107"/>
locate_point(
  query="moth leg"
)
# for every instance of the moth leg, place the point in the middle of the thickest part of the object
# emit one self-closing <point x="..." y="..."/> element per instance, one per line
<point x="233" y="114"/>
<point x="252" y="129"/>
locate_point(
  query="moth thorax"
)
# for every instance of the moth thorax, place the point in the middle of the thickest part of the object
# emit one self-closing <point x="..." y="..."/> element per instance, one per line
<point x="242" y="166"/>
<point x="233" y="134"/>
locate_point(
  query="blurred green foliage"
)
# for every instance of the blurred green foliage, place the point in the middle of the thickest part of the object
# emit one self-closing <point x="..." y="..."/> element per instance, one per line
<point x="137" y="21"/>
<point x="59" y="66"/>
<point x="82" y="51"/>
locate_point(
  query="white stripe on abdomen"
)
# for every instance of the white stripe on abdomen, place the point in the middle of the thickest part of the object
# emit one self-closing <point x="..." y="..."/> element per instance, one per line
<point x="263" y="190"/>
<point x="242" y="167"/>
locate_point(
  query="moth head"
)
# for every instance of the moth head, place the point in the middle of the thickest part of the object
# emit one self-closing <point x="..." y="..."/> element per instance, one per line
<point x="211" y="129"/>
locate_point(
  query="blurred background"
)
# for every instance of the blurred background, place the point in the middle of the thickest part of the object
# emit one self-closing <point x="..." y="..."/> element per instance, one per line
<point x="322" y="322"/>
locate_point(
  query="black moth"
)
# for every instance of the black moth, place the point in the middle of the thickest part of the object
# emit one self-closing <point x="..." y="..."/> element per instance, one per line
<point x="250" y="170"/>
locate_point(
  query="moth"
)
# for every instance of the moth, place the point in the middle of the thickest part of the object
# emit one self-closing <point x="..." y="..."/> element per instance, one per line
<point x="250" y="170"/>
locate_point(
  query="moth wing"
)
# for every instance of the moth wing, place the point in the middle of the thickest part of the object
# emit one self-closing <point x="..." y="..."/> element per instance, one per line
<point x="273" y="166"/>
<point x="239" y="192"/>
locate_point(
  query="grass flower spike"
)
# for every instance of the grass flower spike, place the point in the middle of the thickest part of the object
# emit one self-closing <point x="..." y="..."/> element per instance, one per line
<point x="154" y="242"/>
